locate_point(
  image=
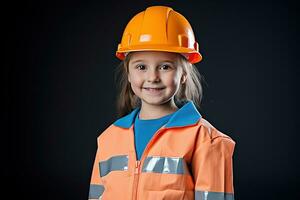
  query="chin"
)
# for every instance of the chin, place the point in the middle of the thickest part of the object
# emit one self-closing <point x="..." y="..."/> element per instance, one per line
<point x="155" y="102"/>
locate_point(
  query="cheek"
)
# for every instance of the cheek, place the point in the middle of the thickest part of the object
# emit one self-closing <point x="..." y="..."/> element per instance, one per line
<point x="135" y="80"/>
<point x="172" y="80"/>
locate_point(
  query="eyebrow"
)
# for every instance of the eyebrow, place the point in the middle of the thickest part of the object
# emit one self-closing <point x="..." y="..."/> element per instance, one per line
<point x="164" y="61"/>
<point x="136" y="61"/>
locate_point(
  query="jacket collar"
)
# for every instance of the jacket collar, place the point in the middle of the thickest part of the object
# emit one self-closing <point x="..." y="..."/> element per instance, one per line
<point x="187" y="115"/>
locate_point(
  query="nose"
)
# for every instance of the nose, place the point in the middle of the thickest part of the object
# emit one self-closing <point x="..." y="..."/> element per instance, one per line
<point x="153" y="75"/>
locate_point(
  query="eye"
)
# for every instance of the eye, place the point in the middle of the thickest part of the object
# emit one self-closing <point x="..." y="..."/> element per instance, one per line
<point x="141" y="67"/>
<point x="165" y="67"/>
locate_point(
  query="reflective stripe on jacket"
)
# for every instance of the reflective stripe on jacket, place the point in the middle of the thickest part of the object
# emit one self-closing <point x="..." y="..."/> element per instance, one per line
<point x="186" y="159"/>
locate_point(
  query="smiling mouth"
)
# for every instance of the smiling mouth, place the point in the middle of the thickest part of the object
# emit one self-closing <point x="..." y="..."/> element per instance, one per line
<point x="153" y="89"/>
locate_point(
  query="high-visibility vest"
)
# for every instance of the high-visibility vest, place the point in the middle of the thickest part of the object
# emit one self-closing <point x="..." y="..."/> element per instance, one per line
<point x="186" y="159"/>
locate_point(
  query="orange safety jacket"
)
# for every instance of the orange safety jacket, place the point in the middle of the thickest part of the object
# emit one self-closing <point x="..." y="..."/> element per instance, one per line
<point x="186" y="159"/>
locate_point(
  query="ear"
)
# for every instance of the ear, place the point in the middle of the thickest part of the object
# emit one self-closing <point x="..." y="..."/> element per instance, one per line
<point x="128" y="78"/>
<point x="183" y="79"/>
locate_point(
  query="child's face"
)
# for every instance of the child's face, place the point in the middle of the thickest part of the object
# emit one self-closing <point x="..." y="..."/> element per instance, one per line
<point x="154" y="76"/>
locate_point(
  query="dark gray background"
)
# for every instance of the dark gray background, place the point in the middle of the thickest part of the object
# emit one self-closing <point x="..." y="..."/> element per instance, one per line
<point x="60" y="91"/>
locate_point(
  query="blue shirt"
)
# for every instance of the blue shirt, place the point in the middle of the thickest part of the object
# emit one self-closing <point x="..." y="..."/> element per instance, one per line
<point x="144" y="131"/>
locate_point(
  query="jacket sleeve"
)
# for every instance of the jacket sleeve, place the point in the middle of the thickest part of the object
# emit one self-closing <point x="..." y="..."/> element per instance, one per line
<point x="212" y="165"/>
<point x="96" y="185"/>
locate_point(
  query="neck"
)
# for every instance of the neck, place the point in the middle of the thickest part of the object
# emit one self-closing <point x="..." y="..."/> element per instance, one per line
<point x="149" y="111"/>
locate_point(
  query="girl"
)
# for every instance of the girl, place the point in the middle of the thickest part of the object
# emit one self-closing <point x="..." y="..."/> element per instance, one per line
<point x="161" y="147"/>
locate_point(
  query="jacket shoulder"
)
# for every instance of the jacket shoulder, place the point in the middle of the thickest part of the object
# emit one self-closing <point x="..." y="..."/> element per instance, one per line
<point x="111" y="129"/>
<point x="208" y="131"/>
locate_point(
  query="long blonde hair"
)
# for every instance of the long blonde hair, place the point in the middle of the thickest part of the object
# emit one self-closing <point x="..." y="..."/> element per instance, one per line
<point x="191" y="90"/>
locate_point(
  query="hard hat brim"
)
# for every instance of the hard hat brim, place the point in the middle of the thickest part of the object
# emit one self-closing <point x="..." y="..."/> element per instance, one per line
<point x="191" y="55"/>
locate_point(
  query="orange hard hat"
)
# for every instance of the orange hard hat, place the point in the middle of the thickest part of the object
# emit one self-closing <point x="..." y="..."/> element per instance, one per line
<point x="159" y="28"/>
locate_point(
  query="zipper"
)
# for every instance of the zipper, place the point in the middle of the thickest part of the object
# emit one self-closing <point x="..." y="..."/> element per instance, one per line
<point x="139" y="163"/>
<point x="136" y="178"/>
